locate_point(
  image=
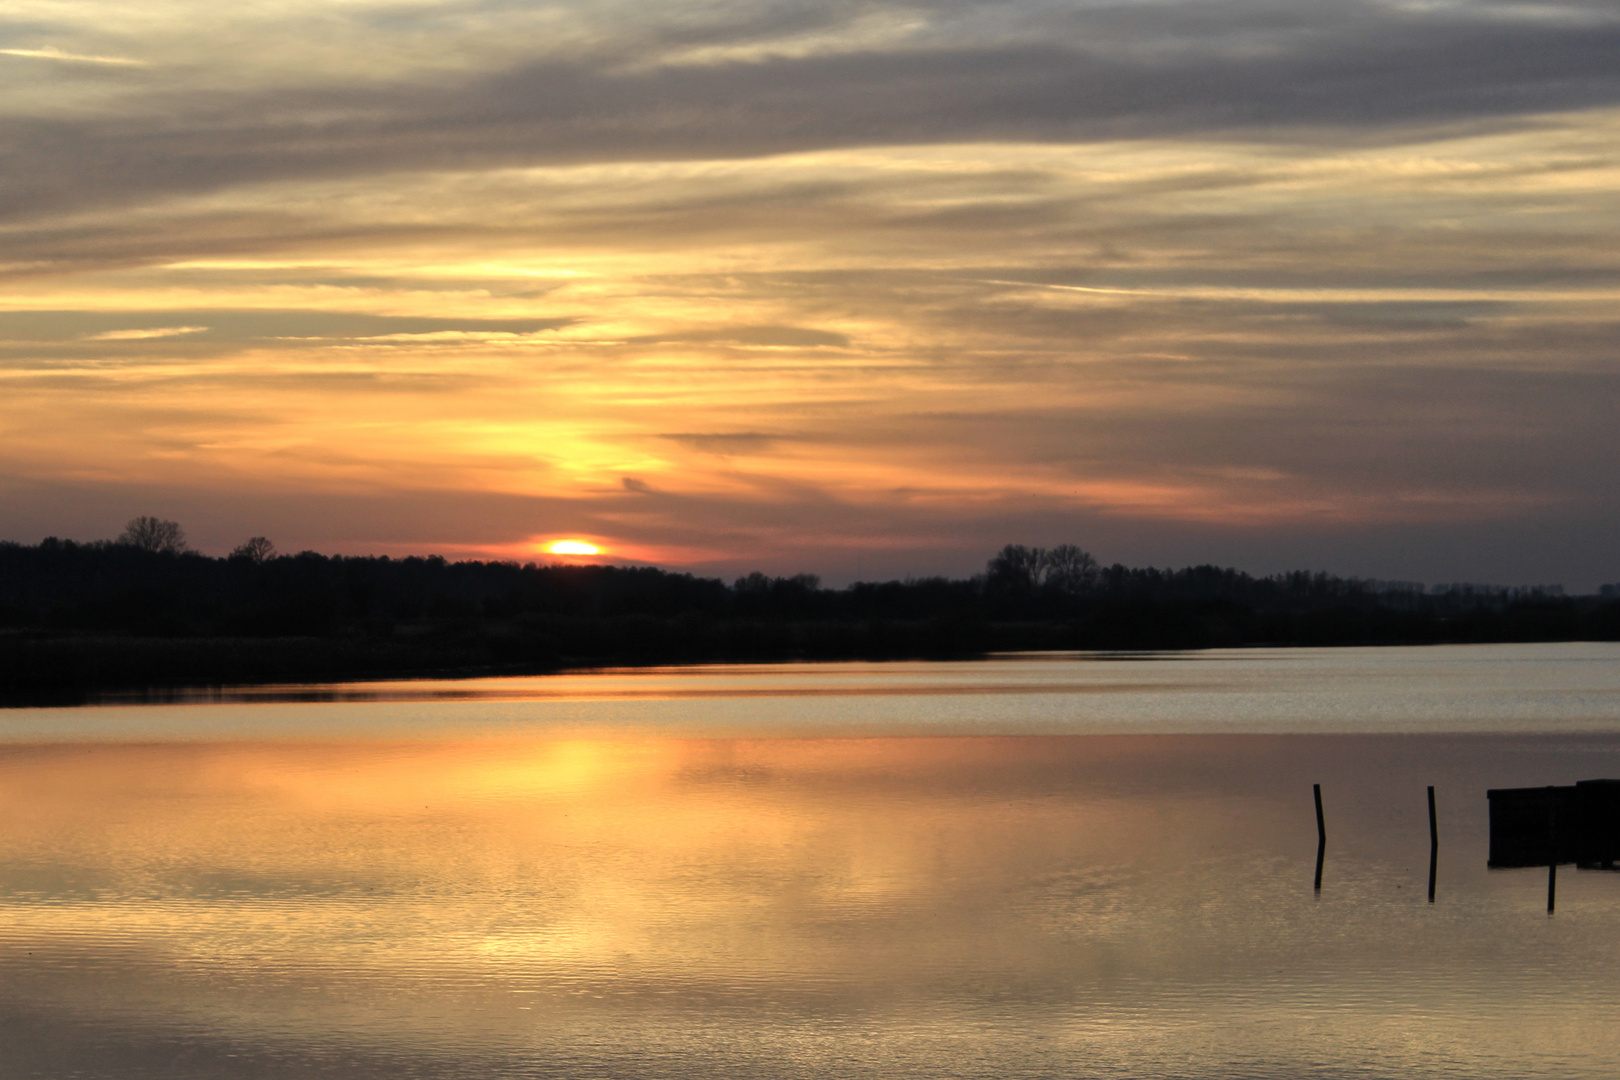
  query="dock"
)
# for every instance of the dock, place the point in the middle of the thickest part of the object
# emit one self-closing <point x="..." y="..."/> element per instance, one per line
<point x="1551" y="826"/>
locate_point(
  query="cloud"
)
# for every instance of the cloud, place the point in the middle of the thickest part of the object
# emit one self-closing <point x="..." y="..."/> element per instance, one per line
<point x="768" y="337"/>
<point x="727" y="442"/>
<point x="266" y="326"/>
<point x="50" y="53"/>
<point x="142" y="335"/>
<point x="1236" y="69"/>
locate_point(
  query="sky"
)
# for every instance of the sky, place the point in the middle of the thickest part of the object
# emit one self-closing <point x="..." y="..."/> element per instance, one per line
<point x="862" y="289"/>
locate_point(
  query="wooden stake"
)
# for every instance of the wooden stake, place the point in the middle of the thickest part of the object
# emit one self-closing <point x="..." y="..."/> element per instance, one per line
<point x="1552" y="849"/>
<point x="1321" y="835"/>
<point x="1434" y="845"/>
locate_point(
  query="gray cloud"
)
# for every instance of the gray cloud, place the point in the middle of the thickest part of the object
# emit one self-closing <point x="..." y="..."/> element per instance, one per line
<point x="250" y="324"/>
<point x="43" y="340"/>
<point x="1309" y="72"/>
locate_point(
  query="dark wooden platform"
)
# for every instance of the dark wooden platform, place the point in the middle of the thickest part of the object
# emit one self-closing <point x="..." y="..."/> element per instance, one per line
<point x="1546" y="826"/>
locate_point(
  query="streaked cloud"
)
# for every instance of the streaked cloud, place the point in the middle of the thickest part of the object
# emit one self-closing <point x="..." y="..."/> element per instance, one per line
<point x="142" y="335"/>
<point x="50" y="53"/>
<point x="596" y="82"/>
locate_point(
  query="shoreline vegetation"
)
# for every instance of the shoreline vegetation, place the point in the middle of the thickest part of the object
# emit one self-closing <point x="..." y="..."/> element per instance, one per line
<point x="142" y="613"/>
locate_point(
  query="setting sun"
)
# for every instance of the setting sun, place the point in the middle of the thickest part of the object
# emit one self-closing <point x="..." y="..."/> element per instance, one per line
<point x="573" y="547"/>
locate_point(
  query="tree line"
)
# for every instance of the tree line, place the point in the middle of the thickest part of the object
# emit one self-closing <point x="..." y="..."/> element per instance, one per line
<point x="145" y="610"/>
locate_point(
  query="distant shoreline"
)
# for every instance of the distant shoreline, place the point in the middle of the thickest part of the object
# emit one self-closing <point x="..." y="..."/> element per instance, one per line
<point x="81" y="619"/>
<point x="53" y="670"/>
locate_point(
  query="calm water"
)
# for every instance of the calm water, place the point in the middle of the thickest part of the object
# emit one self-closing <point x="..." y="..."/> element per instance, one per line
<point x="1026" y="867"/>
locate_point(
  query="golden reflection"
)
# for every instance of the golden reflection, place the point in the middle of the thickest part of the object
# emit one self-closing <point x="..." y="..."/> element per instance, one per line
<point x="487" y="896"/>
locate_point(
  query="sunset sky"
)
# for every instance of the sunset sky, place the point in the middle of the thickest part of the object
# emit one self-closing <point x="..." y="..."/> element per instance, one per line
<point x="855" y="288"/>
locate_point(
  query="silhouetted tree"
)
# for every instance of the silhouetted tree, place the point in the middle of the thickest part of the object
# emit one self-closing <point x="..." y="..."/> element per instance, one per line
<point x="757" y="582"/>
<point x="1015" y="567"/>
<point x="1067" y="568"/>
<point x="753" y="583"/>
<point x="257" y="550"/>
<point x="154" y="534"/>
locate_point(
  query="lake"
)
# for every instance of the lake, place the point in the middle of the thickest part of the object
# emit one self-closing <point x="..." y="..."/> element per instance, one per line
<point x="1028" y="866"/>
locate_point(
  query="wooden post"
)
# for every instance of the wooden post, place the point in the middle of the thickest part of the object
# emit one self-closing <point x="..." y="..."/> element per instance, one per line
<point x="1552" y="848"/>
<point x="1321" y="835"/>
<point x="1434" y="845"/>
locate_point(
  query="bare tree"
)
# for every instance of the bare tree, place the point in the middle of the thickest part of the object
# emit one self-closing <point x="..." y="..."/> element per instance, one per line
<point x="1016" y="567"/>
<point x="154" y="534"/>
<point x="753" y="583"/>
<point x="1067" y="568"/>
<point x="257" y="550"/>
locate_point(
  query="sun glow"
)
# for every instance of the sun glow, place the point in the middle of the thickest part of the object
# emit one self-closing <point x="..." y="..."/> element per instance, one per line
<point x="572" y="547"/>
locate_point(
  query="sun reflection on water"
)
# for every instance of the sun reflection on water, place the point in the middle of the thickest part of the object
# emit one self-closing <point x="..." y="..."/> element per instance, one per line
<point x="1029" y="906"/>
